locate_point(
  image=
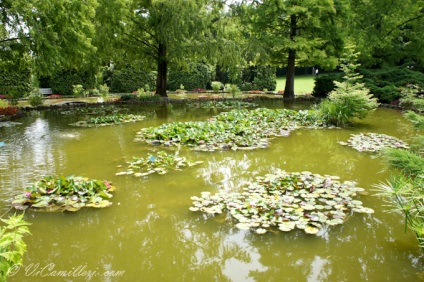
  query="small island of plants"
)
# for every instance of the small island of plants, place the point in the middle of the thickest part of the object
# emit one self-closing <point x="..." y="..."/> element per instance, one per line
<point x="297" y="200"/>
<point x="65" y="194"/>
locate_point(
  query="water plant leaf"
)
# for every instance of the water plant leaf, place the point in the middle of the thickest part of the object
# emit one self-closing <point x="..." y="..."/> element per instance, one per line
<point x="373" y="142"/>
<point x="285" y="200"/>
<point x="239" y="129"/>
<point x="64" y="193"/>
<point x="161" y="163"/>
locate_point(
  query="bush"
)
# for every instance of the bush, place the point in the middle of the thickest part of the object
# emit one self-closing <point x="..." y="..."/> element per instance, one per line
<point x="198" y="76"/>
<point x="35" y="99"/>
<point x="129" y="79"/>
<point x="265" y="78"/>
<point x="324" y="84"/>
<point x="103" y="90"/>
<point x="386" y="83"/>
<point x="350" y="99"/>
<point x="216" y="86"/>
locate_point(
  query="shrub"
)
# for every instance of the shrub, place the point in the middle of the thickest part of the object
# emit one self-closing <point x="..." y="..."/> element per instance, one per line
<point x="35" y="99"/>
<point x="103" y="90"/>
<point x="324" y="84"/>
<point x="78" y="90"/>
<point x="197" y="76"/>
<point x="386" y="83"/>
<point x="265" y="78"/>
<point x="216" y="86"/>
<point x="128" y="79"/>
<point x="351" y="99"/>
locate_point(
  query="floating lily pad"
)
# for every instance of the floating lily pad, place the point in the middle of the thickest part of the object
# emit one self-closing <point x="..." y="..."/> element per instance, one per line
<point x="159" y="163"/>
<point x="237" y="130"/>
<point x="268" y="202"/>
<point x="373" y="142"/>
<point x="108" y="120"/>
<point x="64" y="194"/>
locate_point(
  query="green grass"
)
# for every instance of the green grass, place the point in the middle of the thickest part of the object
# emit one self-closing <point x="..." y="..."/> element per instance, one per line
<point x="302" y="84"/>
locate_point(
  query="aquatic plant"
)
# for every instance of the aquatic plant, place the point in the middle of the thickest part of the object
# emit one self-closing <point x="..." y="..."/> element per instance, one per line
<point x="297" y="200"/>
<point x="373" y="142"/>
<point x="159" y="163"/>
<point x="229" y="104"/>
<point x="108" y="120"/>
<point x="64" y="194"/>
<point x="237" y="129"/>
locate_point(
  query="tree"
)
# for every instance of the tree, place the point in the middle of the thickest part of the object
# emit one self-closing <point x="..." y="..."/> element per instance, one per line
<point x="55" y="34"/>
<point x="388" y="32"/>
<point x="350" y="99"/>
<point x="164" y="33"/>
<point x="293" y="33"/>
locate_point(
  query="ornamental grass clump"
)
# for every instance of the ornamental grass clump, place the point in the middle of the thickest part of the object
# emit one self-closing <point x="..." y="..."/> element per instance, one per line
<point x="405" y="190"/>
<point x="350" y="99"/>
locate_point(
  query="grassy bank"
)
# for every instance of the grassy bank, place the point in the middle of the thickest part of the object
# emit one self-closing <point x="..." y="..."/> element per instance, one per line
<point x="302" y="84"/>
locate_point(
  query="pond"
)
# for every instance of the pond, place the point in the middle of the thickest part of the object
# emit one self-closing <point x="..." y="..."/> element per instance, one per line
<point x="150" y="234"/>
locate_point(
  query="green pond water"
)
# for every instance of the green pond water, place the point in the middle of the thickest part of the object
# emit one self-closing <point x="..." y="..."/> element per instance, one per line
<point x="149" y="234"/>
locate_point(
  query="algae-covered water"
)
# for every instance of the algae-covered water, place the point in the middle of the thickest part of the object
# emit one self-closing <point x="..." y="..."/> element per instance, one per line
<point x="149" y="233"/>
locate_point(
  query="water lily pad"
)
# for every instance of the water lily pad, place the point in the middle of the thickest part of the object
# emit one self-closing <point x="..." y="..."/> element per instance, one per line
<point x="309" y="229"/>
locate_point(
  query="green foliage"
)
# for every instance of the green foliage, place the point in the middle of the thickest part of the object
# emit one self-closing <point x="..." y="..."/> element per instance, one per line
<point x="12" y="245"/>
<point x="237" y="129"/>
<point x="78" y="90"/>
<point x="406" y="195"/>
<point x="129" y="79"/>
<point x="103" y="90"/>
<point x="216" y="86"/>
<point x="411" y="100"/>
<point x="64" y="193"/>
<point x="416" y="119"/>
<point x="159" y="163"/>
<point x="350" y="99"/>
<point x="108" y="120"/>
<point x="62" y="81"/>
<point x="410" y="163"/>
<point x="264" y="78"/>
<point x="324" y="84"/>
<point x="57" y="33"/>
<point x="387" y="33"/>
<point x="16" y="84"/>
<point x="386" y="83"/>
<point x="198" y="76"/>
<point x="35" y="99"/>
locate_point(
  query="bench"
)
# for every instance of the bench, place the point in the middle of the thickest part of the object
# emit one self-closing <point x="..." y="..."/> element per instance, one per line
<point x="46" y="91"/>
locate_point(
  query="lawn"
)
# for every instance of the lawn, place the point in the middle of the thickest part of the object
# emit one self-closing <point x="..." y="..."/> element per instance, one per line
<point x="302" y="84"/>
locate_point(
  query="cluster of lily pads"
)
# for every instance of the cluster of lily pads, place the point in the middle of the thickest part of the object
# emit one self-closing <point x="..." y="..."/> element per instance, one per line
<point x="229" y="104"/>
<point x="108" y="120"/>
<point x="160" y="164"/>
<point x="65" y="194"/>
<point x="239" y="129"/>
<point x="92" y="110"/>
<point x="373" y="142"/>
<point x="298" y="200"/>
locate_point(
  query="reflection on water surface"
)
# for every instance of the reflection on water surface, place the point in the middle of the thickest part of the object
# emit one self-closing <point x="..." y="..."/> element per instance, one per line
<point x="149" y="232"/>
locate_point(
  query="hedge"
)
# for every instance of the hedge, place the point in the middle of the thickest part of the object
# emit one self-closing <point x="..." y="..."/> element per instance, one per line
<point x="15" y="83"/>
<point x="129" y="79"/>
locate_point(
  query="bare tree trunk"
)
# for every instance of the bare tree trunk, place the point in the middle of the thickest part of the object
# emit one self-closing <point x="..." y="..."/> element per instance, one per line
<point x="289" y="89"/>
<point x="162" y="71"/>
